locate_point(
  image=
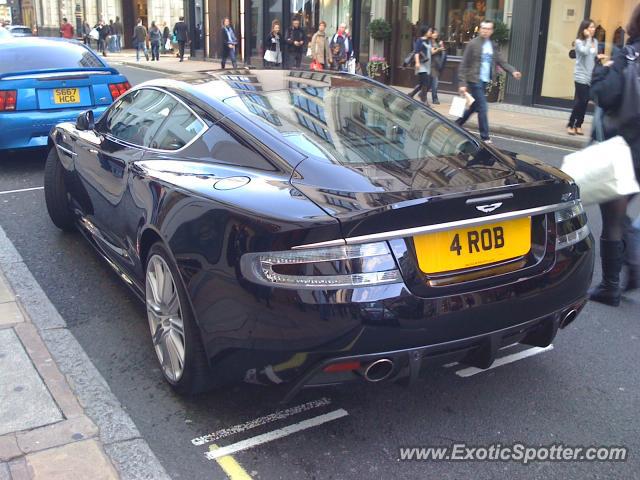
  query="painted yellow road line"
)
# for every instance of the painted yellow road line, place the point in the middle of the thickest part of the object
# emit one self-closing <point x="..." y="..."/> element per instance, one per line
<point x="230" y="466"/>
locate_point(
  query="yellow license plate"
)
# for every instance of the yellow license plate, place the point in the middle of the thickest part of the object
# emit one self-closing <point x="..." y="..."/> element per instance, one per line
<point x="66" y="95"/>
<point x="474" y="246"/>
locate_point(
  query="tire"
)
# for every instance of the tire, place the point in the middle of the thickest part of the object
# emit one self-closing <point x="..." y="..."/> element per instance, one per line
<point x="196" y="376"/>
<point x="56" y="194"/>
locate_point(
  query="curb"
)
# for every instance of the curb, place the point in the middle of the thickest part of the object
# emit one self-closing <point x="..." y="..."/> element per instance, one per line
<point x="120" y="437"/>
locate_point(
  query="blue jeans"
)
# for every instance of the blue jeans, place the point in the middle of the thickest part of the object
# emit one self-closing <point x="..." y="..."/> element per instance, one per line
<point x="230" y="53"/>
<point x="434" y="87"/>
<point x="477" y="91"/>
<point x="141" y="46"/>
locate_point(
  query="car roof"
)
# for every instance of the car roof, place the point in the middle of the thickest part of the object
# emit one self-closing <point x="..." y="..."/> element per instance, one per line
<point x="212" y="89"/>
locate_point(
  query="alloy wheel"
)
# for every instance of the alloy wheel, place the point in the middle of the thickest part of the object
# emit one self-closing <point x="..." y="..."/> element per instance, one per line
<point x="164" y="313"/>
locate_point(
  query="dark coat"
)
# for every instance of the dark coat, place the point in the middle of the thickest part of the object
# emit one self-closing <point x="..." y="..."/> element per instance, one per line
<point x="181" y="31"/>
<point x="295" y="35"/>
<point x="224" y="41"/>
<point x="606" y="88"/>
<point x="269" y="45"/>
<point x="469" y="70"/>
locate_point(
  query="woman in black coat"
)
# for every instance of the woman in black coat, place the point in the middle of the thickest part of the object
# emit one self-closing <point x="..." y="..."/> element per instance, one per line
<point x="607" y="89"/>
<point x="229" y="41"/>
<point x="273" y="45"/>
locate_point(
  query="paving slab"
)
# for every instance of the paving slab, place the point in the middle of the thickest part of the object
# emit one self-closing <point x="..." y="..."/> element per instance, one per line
<point x="10" y="313"/>
<point x="78" y="461"/>
<point x="5" y="294"/>
<point x="26" y="402"/>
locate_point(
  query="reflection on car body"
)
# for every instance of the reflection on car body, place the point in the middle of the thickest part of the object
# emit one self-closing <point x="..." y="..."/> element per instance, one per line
<point x="316" y="228"/>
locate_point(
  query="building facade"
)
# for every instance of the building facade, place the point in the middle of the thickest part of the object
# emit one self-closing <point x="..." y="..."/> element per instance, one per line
<point x="540" y="37"/>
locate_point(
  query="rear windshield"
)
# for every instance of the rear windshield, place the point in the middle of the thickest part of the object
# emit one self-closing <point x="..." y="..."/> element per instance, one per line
<point x="355" y="125"/>
<point x="45" y="55"/>
<point x="21" y="30"/>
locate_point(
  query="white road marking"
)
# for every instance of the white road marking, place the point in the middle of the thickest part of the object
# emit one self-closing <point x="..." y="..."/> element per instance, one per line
<point x="538" y="144"/>
<point x="279" y="415"/>
<point x="514" y="357"/>
<point x="7" y="192"/>
<point x="276" y="434"/>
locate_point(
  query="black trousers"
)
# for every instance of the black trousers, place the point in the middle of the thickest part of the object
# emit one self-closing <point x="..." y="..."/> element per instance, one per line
<point x="424" y="84"/>
<point x="181" y="45"/>
<point x="294" y="58"/>
<point x="580" y="104"/>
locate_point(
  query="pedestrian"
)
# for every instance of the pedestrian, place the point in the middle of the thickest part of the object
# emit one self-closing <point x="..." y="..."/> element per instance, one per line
<point x="295" y="39"/>
<point x="609" y="83"/>
<point x="111" y="40"/>
<point x="166" y="41"/>
<point x="86" y="30"/>
<point x="273" y="47"/>
<point x="181" y="32"/>
<point x="320" y="49"/>
<point x="118" y="31"/>
<point x="422" y="55"/>
<point x="229" y="42"/>
<point x="438" y="61"/>
<point x="140" y="40"/>
<point x="340" y="45"/>
<point x="66" y="29"/>
<point x="586" y="47"/>
<point x="103" y="35"/>
<point x="155" y="37"/>
<point x="476" y="70"/>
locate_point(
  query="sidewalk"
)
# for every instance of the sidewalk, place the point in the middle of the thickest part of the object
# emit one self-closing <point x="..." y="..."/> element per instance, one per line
<point x="529" y="123"/>
<point x="59" y="419"/>
<point x="44" y="432"/>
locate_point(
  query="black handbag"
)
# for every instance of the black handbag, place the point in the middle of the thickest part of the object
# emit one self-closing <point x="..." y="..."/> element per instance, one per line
<point x="572" y="54"/>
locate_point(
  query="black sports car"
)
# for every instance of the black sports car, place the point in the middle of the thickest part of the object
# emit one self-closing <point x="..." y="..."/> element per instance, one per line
<point x="316" y="228"/>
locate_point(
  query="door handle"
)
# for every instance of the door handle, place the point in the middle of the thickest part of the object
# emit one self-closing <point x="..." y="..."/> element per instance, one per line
<point x="93" y="150"/>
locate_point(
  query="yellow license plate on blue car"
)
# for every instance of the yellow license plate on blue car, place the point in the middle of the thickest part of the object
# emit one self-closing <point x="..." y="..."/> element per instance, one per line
<point x="66" y="96"/>
<point x="463" y="248"/>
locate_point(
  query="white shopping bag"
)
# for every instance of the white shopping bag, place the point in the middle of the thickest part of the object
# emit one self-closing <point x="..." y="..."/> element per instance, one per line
<point x="603" y="171"/>
<point x="458" y="106"/>
<point x="94" y="34"/>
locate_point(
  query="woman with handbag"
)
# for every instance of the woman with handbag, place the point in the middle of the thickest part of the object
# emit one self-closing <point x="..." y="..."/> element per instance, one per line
<point x="621" y="107"/>
<point x="586" y="51"/>
<point x="273" y="47"/>
<point x="422" y="50"/>
<point x="320" y="50"/>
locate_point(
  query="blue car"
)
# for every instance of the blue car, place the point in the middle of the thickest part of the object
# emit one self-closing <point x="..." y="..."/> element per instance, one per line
<point x="46" y="81"/>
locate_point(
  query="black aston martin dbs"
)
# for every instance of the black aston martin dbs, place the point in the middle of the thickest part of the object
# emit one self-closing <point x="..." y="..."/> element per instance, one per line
<point x="317" y="228"/>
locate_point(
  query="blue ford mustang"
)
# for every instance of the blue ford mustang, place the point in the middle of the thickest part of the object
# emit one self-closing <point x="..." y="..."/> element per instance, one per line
<point x="47" y="81"/>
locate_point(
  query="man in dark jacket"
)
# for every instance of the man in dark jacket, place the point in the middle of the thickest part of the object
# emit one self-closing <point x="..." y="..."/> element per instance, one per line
<point x="476" y="70"/>
<point x="295" y="44"/>
<point x="181" y="31"/>
<point x="229" y="42"/>
<point x="140" y="40"/>
<point x="118" y="31"/>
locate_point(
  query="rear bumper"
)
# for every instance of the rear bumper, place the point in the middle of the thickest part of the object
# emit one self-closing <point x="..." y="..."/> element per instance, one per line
<point x="30" y="129"/>
<point x="274" y="336"/>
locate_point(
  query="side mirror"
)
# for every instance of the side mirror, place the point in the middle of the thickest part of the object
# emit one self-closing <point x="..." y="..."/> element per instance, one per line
<point x="85" y="121"/>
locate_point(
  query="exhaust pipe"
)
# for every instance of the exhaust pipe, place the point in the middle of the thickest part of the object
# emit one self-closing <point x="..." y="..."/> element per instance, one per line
<point x="379" y="370"/>
<point x="569" y="317"/>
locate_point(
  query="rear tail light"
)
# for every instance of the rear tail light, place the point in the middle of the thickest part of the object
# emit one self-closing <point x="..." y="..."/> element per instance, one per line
<point x="323" y="268"/>
<point x="118" y="89"/>
<point x="571" y="226"/>
<point x="8" y="100"/>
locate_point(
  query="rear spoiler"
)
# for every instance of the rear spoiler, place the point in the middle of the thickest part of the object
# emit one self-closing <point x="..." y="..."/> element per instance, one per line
<point x="57" y="72"/>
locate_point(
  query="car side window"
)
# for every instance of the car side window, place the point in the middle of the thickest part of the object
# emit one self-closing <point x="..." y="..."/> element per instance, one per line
<point x="178" y="130"/>
<point x="137" y="116"/>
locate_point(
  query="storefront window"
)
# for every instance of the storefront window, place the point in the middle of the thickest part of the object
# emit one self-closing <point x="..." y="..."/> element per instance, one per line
<point x="461" y="21"/>
<point x="610" y="18"/>
<point x="335" y="12"/>
<point x="257" y="34"/>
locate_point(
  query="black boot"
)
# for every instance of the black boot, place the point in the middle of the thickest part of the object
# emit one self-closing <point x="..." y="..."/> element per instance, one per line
<point x="631" y="255"/>
<point x="609" y="291"/>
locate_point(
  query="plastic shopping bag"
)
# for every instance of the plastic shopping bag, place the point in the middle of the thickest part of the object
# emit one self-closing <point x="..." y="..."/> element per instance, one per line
<point x="603" y="171"/>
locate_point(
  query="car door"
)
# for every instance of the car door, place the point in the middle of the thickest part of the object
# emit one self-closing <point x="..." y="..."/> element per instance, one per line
<point x="103" y="161"/>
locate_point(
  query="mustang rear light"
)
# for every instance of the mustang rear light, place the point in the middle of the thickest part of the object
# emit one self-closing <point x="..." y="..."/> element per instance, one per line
<point x="333" y="267"/>
<point x="118" y="89"/>
<point x="8" y="100"/>
<point x="571" y="226"/>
